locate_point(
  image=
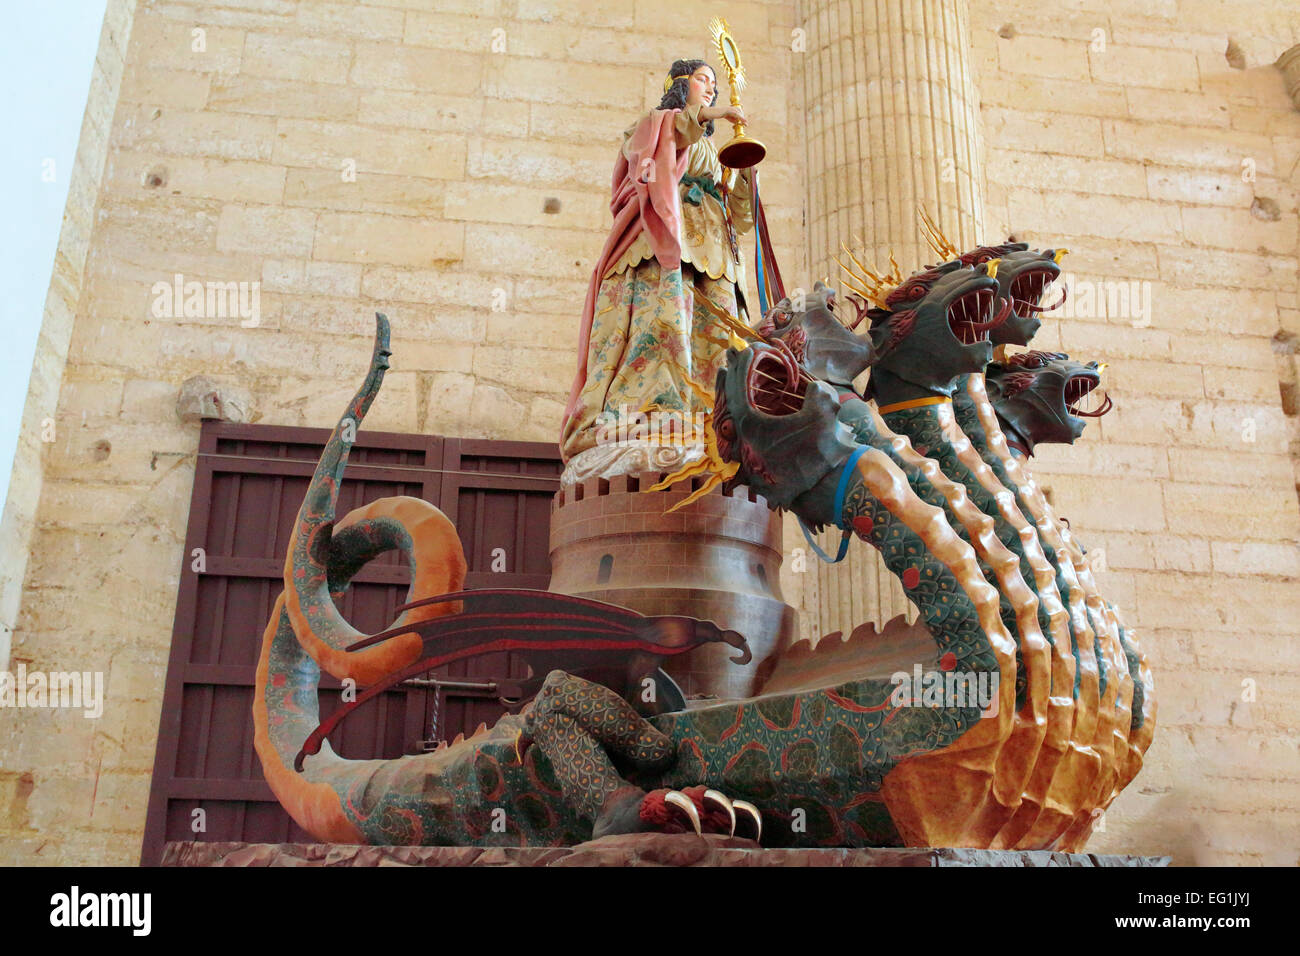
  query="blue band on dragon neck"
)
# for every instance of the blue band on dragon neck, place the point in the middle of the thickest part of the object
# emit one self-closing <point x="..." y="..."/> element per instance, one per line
<point x="840" y="492"/>
<point x="844" y="486"/>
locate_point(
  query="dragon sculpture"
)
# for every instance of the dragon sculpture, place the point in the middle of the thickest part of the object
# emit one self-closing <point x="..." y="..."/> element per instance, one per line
<point x="1034" y="709"/>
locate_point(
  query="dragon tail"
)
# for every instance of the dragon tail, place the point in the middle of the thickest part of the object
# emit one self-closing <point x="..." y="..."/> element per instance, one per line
<point x="285" y="711"/>
<point x="323" y="555"/>
<point x="307" y="632"/>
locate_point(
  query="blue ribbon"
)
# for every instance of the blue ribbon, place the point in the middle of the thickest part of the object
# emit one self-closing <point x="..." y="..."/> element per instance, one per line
<point x="840" y="491"/>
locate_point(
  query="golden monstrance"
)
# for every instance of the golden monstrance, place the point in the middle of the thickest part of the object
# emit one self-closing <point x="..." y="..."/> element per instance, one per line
<point x="743" y="151"/>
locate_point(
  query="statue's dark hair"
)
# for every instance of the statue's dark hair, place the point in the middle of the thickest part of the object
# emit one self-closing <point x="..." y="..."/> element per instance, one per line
<point x="675" y="98"/>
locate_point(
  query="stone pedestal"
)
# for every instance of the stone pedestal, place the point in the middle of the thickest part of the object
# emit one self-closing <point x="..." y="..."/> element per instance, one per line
<point x="638" y="849"/>
<point x="717" y="559"/>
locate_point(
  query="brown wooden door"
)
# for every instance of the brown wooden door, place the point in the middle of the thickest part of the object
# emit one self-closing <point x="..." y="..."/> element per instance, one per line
<point x="248" y="486"/>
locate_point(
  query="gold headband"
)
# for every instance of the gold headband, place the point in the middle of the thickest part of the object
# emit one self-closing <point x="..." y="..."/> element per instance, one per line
<point x="668" y="83"/>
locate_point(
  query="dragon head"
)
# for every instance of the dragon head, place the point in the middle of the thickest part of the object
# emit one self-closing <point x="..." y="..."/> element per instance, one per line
<point x="777" y="423"/>
<point x="817" y="338"/>
<point x="1036" y="396"/>
<point x="936" y="325"/>
<point x="1023" y="276"/>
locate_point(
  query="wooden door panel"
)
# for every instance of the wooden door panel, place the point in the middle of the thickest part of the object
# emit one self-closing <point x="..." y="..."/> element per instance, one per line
<point x="249" y="484"/>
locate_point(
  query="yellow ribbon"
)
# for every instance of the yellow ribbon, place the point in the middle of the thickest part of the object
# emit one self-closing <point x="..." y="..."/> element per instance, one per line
<point x="914" y="403"/>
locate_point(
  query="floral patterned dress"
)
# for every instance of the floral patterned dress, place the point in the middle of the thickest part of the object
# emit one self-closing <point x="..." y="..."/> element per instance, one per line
<point x="655" y="347"/>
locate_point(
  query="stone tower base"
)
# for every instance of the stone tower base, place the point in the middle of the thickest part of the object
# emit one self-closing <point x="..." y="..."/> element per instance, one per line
<point x="717" y="559"/>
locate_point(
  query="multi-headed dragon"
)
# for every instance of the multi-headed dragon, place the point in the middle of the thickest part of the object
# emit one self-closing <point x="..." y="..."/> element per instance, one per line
<point x="833" y="750"/>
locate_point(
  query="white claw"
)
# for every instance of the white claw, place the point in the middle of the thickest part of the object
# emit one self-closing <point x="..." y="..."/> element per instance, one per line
<point x="686" y="805"/>
<point x="753" y="812"/>
<point x="725" y="804"/>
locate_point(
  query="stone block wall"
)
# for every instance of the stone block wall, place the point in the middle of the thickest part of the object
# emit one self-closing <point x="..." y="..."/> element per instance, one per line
<point x="1155" y="139"/>
<point x="39" y="430"/>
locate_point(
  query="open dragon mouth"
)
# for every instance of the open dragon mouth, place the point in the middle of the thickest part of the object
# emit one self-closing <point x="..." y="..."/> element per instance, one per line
<point x="966" y="316"/>
<point x="1027" y="291"/>
<point x="773" y="382"/>
<point x="1078" y="389"/>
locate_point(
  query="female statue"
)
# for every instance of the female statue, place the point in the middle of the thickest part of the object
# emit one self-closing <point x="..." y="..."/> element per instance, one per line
<point x="650" y="344"/>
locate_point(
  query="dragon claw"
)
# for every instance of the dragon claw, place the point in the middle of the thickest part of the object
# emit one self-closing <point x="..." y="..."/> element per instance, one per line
<point x="726" y="805"/>
<point x="752" y="810"/>
<point x="686" y="805"/>
<point x="708" y="810"/>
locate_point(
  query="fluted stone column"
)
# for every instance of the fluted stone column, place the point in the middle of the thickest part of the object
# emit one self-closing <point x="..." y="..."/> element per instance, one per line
<point x="893" y="123"/>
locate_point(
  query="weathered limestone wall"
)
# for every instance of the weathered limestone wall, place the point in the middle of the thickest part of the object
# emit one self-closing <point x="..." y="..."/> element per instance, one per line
<point x="1139" y="157"/>
<point x="65" y="294"/>
<point x="231" y="164"/>
<point x="230" y="159"/>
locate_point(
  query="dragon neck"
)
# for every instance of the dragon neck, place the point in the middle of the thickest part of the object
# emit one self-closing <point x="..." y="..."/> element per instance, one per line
<point x="968" y="420"/>
<point x="817" y="506"/>
<point x="931" y="415"/>
<point x="888" y="388"/>
<point x="1019" y="444"/>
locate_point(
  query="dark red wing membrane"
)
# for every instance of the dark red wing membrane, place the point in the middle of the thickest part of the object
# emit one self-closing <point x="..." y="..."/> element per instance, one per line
<point x="548" y="630"/>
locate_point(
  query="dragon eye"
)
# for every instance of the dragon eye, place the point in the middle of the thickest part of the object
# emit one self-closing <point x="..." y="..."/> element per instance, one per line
<point x="727" y="430"/>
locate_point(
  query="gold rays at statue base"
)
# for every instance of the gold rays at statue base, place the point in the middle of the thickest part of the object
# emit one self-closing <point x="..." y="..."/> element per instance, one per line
<point x="711" y="464"/>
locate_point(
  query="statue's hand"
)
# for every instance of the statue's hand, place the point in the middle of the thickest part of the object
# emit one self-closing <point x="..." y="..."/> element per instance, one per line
<point x="733" y="113"/>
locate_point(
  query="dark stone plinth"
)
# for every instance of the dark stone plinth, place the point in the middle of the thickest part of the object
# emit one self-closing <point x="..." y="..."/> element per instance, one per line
<point x="641" y="849"/>
<point x="717" y="559"/>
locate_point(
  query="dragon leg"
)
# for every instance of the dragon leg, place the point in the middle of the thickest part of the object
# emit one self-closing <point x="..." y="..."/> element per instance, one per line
<point x="580" y="725"/>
